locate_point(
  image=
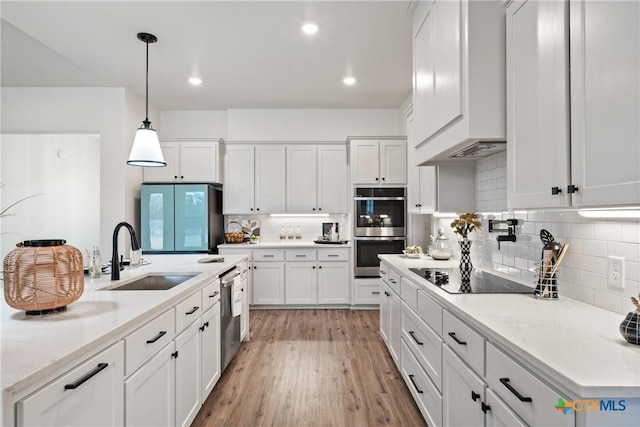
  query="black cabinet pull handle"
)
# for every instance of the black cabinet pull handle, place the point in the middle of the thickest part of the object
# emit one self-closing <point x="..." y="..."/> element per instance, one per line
<point x="392" y="281"/>
<point x="174" y="354"/>
<point x="202" y="328"/>
<point x="85" y="378"/>
<point x="157" y="337"/>
<point x="193" y="310"/>
<point x="383" y="272"/>
<point x="455" y="338"/>
<point x="474" y="395"/>
<point x="206" y="324"/>
<point x="485" y="407"/>
<point x="572" y="189"/>
<point x="414" y="384"/>
<point x="556" y="190"/>
<point x="414" y="338"/>
<point x="375" y="292"/>
<point x="505" y="382"/>
<point x="214" y="294"/>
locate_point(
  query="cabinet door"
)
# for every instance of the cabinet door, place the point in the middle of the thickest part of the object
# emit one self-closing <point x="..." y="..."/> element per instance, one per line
<point x="302" y="179"/>
<point x="462" y="392"/>
<point x="268" y="283"/>
<point x="188" y="375"/>
<point x="333" y="179"/>
<point x="157" y="223"/>
<point x="150" y="392"/>
<point x="333" y="283"/>
<point x="499" y="414"/>
<point x="447" y="33"/>
<point x="270" y="174"/>
<point x="393" y="162"/>
<point x="605" y="102"/>
<point x="537" y="104"/>
<point x="169" y="173"/>
<point x="238" y="191"/>
<point x="428" y="192"/>
<point x="385" y="313"/>
<point x="198" y="161"/>
<point x="395" y="325"/>
<point x="192" y="217"/>
<point x="301" y="285"/>
<point x="424" y="74"/>
<point x="365" y="162"/>
<point x="58" y="405"/>
<point x="210" y="350"/>
<point x="245" y="288"/>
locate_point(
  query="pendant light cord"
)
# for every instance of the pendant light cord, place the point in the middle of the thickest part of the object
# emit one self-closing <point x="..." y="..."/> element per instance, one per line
<point x="146" y="112"/>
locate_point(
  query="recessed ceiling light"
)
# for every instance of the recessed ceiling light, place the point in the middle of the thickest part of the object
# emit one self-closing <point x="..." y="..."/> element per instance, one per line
<point x="195" y="81"/>
<point x="349" y="81"/>
<point x="310" y="28"/>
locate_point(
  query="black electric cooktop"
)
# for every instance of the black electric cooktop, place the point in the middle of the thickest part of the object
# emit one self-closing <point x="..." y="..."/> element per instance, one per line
<point x="479" y="282"/>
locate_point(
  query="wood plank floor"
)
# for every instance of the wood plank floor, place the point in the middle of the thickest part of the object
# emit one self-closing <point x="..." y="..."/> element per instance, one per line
<point x="311" y="368"/>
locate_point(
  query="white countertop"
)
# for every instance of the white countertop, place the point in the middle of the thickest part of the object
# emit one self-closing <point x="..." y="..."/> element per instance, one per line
<point x="573" y="346"/>
<point x="284" y="244"/>
<point x="35" y="346"/>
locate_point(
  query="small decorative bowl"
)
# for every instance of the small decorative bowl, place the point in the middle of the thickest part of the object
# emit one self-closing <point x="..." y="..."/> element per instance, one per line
<point x="411" y="254"/>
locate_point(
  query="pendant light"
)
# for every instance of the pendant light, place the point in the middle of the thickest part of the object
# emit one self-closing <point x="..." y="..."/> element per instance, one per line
<point x="146" y="150"/>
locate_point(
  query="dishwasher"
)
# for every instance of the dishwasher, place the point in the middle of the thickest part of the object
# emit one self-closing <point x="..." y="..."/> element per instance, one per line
<point x="229" y="325"/>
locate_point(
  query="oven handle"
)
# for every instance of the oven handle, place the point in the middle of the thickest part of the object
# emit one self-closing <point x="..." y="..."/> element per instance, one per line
<point x="358" y="198"/>
<point x="381" y="238"/>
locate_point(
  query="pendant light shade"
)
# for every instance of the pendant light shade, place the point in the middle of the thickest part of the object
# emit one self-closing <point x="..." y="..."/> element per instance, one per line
<point x="146" y="151"/>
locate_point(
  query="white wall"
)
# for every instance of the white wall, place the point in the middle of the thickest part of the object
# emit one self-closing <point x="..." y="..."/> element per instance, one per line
<point x="106" y="111"/>
<point x="193" y="124"/>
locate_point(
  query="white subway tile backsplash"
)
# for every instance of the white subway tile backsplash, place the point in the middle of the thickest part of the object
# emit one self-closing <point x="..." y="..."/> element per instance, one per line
<point x="632" y="270"/>
<point x="601" y="265"/>
<point x="584" y="294"/>
<point x="628" y="251"/>
<point x="582" y="231"/>
<point x="594" y="247"/>
<point x="552" y="216"/>
<point x="561" y="230"/>
<point x="508" y="261"/>
<point x="608" y="301"/>
<point x="521" y="263"/>
<point x="609" y="232"/>
<point x="631" y="233"/>
<point x="631" y="289"/>
<point x="535" y="216"/>
<point x="594" y="280"/>
<point x="569" y="275"/>
<point x="582" y="262"/>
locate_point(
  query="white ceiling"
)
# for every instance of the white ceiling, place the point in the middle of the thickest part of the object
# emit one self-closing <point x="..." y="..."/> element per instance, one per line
<point x="250" y="54"/>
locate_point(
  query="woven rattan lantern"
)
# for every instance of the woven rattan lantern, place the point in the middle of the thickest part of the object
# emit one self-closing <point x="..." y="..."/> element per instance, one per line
<point x="43" y="276"/>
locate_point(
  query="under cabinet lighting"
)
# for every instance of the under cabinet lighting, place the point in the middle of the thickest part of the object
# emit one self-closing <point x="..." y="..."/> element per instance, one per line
<point x="445" y="214"/>
<point x="318" y="215"/>
<point x="610" y="213"/>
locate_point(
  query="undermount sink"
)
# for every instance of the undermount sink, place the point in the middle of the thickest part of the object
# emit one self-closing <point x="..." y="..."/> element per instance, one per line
<point x="153" y="282"/>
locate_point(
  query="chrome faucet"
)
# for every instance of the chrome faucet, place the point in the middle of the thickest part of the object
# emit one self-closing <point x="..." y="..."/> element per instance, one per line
<point x="115" y="261"/>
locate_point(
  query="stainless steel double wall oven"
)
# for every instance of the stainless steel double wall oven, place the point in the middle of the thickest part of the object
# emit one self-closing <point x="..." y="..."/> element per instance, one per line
<point x="380" y="215"/>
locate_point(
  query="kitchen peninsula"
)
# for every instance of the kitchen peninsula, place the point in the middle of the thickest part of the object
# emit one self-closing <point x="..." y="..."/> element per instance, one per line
<point x="40" y="352"/>
<point x="518" y="355"/>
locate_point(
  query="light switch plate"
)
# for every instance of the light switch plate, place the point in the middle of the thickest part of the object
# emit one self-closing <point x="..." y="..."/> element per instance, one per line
<point x="615" y="275"/>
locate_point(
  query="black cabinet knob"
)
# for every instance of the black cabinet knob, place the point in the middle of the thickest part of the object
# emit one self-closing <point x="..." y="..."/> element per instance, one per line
<point x="556" y="190"/>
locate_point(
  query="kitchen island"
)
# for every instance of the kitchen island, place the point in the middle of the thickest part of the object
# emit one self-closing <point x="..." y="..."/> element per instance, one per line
<point x="37" y="349"/>
<point x="563" y="348"/>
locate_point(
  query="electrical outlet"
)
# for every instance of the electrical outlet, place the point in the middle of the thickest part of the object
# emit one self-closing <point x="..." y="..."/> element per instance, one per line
<point x="616" y="272"/>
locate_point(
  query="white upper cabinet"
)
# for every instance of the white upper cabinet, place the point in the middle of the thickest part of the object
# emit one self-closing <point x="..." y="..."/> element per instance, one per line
<point x="187" y="161"/>
<point x="378" y="161"/>
<point x="421" y="185"/>
<point x="605" y="102"/>
<point x="458" y="75"/>
<point x="317" y="178"/>
<point x="254" y="179"/>
<point x="582" y="149"/>
<point x="537" y="104"/>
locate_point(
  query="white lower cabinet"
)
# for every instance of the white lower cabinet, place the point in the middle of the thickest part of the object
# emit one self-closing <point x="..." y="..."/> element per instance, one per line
<point x="210" y="350"/>
<point x="301" y="283"/>
<point x="71" y="399"/>
<point x="385" y="313"/>
<point x="333" y="279"/>
<point x="150" y="392"/>
<point x="424" y="392"/>
<point x="188" y="375"/>
<point x="463" y="392"/>
<point x="268" y="283"/>
<point x="499" y="414"/>
<point x="245" y="288"/>
<point x="390" y="318"/>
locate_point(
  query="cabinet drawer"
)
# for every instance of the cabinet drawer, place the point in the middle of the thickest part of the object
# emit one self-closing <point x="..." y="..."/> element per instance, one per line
<point x="516" y="386"/>
<point x="430" y="311"/>
<point x="300" y="255"/>
<point x="146" y="341"/>
<point x="409" y="293"/>
<point x="394" y="281"/>
<point x="210" y="295"/>
<point x="384" y="272"/>
<point x="467" y="343"/>
<point x="333" y="254"/>
<point x="367" y="294"/>
<point x="234" y="251"/>
<point x="425" y="394"/>
<point x="425" y="344"/>
<point x="188" y="311"/>
<point x="268" y="255"/>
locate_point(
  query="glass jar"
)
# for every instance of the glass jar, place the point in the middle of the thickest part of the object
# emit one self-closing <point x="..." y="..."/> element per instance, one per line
<point x="441" y="248"/>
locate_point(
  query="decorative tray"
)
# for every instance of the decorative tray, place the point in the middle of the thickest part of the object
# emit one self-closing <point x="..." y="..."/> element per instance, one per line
<point x="329" y="242"/>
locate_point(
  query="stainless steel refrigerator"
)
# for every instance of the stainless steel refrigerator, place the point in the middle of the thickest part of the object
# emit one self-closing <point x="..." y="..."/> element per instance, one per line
<point x="181" y="218"/>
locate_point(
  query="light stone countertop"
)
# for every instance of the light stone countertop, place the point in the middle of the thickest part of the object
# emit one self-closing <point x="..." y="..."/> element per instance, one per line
<point x="575" y="347"/>
<point x="33" y="347"/>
